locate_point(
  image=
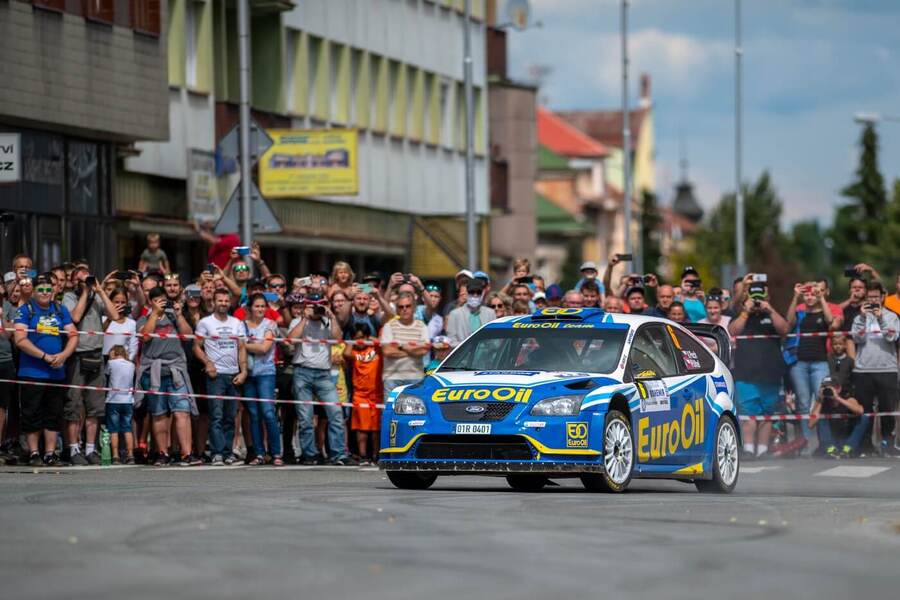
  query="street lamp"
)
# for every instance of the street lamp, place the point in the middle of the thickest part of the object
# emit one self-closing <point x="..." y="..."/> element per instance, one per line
<point x="870" y="118"/>
<point x="739" y="253"/>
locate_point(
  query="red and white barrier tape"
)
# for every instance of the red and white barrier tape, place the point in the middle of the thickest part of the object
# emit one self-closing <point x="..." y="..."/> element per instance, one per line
<point x="767" y="418"/>
<point x="98" y="388"/>
<point x="183" y="337"/>
<point x="812" y="334"/>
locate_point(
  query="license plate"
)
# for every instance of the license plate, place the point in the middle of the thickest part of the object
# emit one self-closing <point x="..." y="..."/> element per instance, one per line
<point x="473" y="428"/>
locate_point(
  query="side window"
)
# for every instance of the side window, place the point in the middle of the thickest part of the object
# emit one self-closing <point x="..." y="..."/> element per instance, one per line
<point x="694" y="357"/>
<point x="652" y="352"/>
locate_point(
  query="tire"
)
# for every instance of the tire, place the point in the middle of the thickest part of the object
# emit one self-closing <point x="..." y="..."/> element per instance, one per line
<point x="726" y="460"/>
<point x="527" y="483"/>
<point x="618" y="456"/>
<point x="411" y="481"/>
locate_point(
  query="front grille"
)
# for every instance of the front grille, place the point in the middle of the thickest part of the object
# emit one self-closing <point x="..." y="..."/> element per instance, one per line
<point x="474" y="447"/>
<point x="493" y="411"/>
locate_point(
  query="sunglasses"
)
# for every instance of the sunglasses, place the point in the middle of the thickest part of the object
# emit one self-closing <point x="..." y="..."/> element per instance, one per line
<point x="240" y="268"/>
<point x="432" y="288"/>
<point x="170" y="276"/>
<point x="403" y="306"/>
<point x="278" y="285"/>
<point x="44" y="290"/>
<point x="499" y="305"/>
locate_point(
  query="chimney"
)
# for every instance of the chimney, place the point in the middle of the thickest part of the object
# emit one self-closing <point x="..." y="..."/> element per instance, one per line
<point x="645" y="101"/>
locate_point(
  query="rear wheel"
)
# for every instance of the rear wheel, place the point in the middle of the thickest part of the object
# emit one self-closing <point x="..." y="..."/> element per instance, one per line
<point x="726" y="460"/>
<point x="618" y="456"/>
<point x="411" y="481"/>
<point x="527" y="483"/>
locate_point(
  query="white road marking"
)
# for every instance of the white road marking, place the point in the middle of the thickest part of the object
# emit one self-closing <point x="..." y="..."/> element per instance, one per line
<point x="855" y="472"/>
<point x="759" y="469"/>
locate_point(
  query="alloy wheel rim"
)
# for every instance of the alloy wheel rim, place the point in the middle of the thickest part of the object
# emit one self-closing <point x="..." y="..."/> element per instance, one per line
<point x="727" y="454"/>
<point x="618" y="454"/>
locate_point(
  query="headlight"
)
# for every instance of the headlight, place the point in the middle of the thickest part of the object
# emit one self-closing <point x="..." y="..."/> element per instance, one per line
<point x="559" y="406"/>
<point x="406" y="404"/>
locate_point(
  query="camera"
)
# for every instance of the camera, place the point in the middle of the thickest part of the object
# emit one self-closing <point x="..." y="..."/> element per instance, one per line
<point x="828" y="393"/>
<point x="759" y="278"/>
<point x="242" y="250"/>
<point x="123" y="275"/>
<point x="647" y="279"/>
<point x="170" y="305"/>
<point x="851" y="272"/>
<point x="211" y="268"/>
<point x="625" y="257"/>
<point x="319" y="309"/>
<point x="90" y="281"/>
<point x="869" y="306"/>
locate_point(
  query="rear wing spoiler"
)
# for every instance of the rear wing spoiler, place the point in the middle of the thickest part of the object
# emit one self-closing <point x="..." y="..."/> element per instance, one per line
<point x="716" y="333"/>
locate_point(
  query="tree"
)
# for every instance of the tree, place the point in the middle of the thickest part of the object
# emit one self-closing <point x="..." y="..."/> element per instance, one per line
<point x="860" y="227"/>
<point x="650" y="223"/>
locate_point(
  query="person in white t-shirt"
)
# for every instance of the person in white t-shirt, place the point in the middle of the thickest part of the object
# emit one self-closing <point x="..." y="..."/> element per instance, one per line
<point x="404" y="341"/>
<point x="120" y="402"/>
<point x="220" y="347"/>
<point x="120" y="328"/>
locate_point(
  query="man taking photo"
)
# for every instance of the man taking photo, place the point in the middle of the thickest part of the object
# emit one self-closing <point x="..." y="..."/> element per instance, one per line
<point x="838" y="438"/>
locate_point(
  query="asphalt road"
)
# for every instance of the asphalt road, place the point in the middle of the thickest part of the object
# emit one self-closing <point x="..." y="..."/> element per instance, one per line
<point x="793" y="529"/>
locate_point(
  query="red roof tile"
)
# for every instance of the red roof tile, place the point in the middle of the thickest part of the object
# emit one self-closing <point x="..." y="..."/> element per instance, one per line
<point x="564" y="139"/>
<point x="604" y="125"/>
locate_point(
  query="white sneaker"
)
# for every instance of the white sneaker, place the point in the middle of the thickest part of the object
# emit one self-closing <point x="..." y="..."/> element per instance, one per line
<point x="217" y="461"/>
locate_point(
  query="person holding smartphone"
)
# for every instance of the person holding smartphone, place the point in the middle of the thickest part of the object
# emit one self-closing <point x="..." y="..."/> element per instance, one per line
<point x="876" y="331"/>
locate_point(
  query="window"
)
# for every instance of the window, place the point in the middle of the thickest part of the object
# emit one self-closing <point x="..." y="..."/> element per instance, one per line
<point x="103" y="11"/>
<point x="694" y="357"/>
<point x="145" y="16"/>
<point x="651" y="353"/>
<point x="191" y="22"/>
<point x="500" y="185"/>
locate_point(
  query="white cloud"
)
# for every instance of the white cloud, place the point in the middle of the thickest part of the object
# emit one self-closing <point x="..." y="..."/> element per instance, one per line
<point x="680" y="64"/>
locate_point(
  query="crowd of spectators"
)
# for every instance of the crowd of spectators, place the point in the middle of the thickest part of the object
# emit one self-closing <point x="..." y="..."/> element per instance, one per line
<point x="175" y="399"/>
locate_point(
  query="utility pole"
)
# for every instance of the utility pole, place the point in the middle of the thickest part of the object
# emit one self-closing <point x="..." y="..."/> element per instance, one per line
<point x="244" y="67"/>
<point x="471" y="234"/>
<point x="739" y="255"/>
<point x="626" y="137"/>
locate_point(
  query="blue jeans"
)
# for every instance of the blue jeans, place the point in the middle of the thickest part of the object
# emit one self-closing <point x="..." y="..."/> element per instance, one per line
<point x="319" y="382"/>
<point x="826" y="436"/>
<point x="221" y="414"/>
<point x="806" y="377"/>
<point x="263" y="386"/>
<point x="159" y="405"/>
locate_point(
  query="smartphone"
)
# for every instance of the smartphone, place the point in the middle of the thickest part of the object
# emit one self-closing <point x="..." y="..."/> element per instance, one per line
<point x="242" y="250"/>
<point x="302" y="281"/>
<point x="195" y="293"/>
<point x="123" y="275"/>
<point x="211" y="268"/>
<point x="759" y="278"/>
<point x="526" y="279"/>
<point x="90" y="281"/>
<point x="366" y="288"/>
<point x="270" y="296"/>
<point x="31" y="273"/>
<point x="851" y="272"/>
<point x="625" y="257"/>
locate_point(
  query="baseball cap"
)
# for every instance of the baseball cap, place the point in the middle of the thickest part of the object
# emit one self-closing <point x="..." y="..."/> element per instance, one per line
<point x="192" y="289"/>
<point x="481" y="275"/>
<point x="464" y="273"/>
<point x="9" y="277"/>
<point x="634" y="289"/>
<point x="588" y="265"/>
<point x="554" y="292"/>
<point x="539" y="296"/>
<point x="373" y="276"/>
<point x="475" y="286"/>
<point x="689" y="270"/>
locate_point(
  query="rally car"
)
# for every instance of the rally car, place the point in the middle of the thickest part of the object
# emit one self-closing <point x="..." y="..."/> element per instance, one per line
<point x="570" y="392"/>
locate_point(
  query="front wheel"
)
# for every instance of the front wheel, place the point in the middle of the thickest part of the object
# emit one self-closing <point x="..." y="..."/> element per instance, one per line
<point x="527" y="483"/>
<point x="411" y="481"/>
<point x="618" y="456"/>
<point x="726" y="460"/>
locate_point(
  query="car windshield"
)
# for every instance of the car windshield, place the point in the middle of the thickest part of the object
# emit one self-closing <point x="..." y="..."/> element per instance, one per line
<point x="577" y="349"/>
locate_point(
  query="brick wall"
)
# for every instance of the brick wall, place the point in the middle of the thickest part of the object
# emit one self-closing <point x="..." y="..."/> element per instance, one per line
<point x="61" y="72"/>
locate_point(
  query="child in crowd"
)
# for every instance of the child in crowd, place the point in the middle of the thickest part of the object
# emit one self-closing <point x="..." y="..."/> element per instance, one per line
<point x="120" y="404"/>
<point x="153" y="258"/>
<point x="365" y="361"/>
<point x="840" y="365"/>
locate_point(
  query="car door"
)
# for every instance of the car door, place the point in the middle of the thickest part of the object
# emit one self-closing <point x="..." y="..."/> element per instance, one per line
<point x="698" y="365"/>
<point x="656" y="421"/>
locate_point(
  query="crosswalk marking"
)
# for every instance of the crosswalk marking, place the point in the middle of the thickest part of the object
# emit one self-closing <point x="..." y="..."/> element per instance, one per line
<point x="855" y="472"/>
<point x="759" y="469"/>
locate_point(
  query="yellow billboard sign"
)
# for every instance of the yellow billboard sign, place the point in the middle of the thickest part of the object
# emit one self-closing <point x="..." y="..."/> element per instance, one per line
<point x="310" y="162"/>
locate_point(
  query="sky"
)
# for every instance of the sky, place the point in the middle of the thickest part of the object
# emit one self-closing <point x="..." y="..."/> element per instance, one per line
<point x="808" y="67"/>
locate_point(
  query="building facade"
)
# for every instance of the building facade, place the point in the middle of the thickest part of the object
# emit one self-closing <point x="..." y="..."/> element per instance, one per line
<point x="82" y="82"/>
<point x="390" y="69"/>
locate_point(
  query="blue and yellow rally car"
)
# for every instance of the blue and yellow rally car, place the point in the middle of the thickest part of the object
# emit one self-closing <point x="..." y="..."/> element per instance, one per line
<point x="571" y="392"/>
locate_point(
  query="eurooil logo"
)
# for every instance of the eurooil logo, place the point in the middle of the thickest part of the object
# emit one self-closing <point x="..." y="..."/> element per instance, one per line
<point x="502" y="394"/>
<point x="577" y="435"/>
<point x="665" y="439"/>
<point x="554" y="311"/>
